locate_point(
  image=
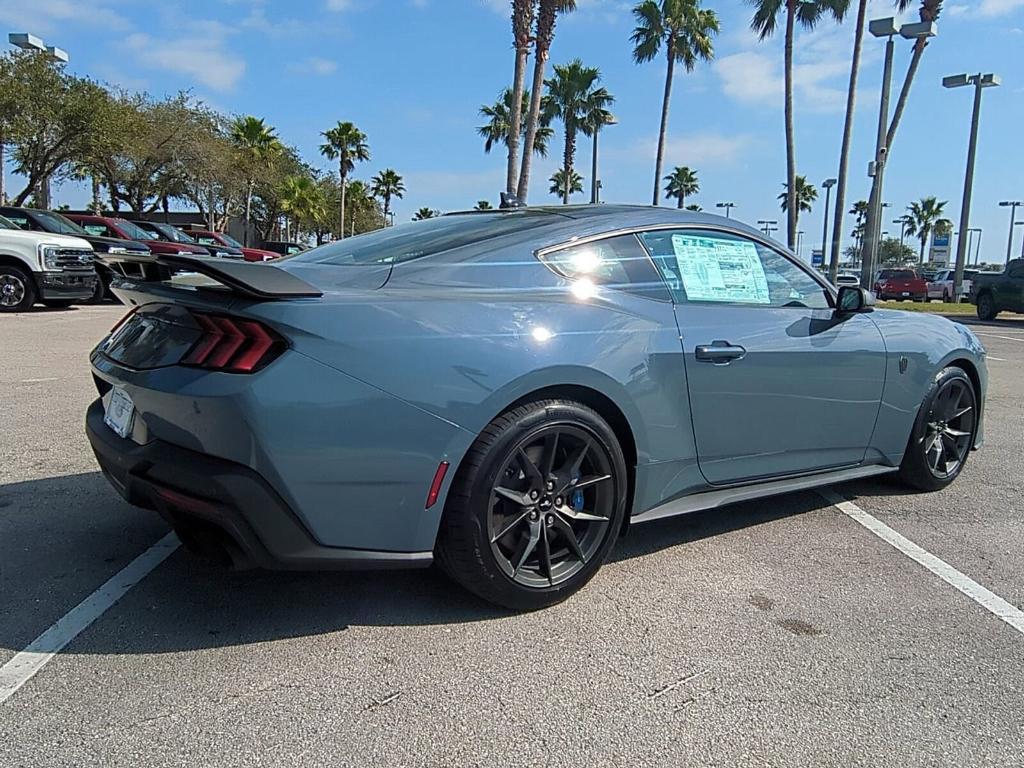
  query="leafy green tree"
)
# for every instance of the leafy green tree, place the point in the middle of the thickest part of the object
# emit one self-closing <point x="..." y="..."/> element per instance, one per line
<point x="894" y="254"/>
<point x="560" y="189"/>
<point x="807" y="13"/>
<point x="574" y="94"/>
<point x="685" y="30"/>
<point x="499" y="116"/>
<point x="681" y="183"/>
<point x="346" y="144"/>
<point x="387" y="184"/>
<point x="804" y="197"/>
<point x="257" y="148"/>
<point x="483" y="205"/>
<point x="363" y="212"/>
<point x="304" y="203"/>
<point x="924" y="214"/>
<point x="425" y="213"/>
<point x="544" y="34"/>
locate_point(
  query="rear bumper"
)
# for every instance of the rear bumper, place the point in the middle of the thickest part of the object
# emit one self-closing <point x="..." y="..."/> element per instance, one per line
<point x="211" y="500"/>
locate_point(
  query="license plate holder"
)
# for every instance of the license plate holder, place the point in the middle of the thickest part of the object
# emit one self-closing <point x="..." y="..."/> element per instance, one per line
<point x="120" y="412"/>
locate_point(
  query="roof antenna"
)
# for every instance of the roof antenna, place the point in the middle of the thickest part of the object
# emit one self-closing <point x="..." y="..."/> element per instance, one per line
<point x="510" y="201"/>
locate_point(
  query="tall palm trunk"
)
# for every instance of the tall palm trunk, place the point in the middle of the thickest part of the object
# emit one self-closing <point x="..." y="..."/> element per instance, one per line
<point x="387" y="207"/>
<point x="681" y="202"/>
<point x="542" y="49"/>
<point x="901" y="103"/>
<point x="341" y="213"/>
<point x="844" y="153"/>
<point x="96" y="206"/>
<point x="567" y="161"/>
<point x="659" y="158"/>
<point x="791" y="213"/>
<point x="248" y="212"/>
<point x="522" y="20"/>
<point x="920" y="258"/>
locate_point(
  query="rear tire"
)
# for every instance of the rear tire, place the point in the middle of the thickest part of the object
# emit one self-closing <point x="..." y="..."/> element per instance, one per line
<point x="536" y="506"/>
<point x="17" y="289"/>
<point x="943" y="432"/>
<point x="986" y="307"/>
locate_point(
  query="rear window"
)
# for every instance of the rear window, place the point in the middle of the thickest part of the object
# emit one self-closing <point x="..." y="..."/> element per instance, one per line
<point x="898" y="274"/>
<point x="405" y="242"/>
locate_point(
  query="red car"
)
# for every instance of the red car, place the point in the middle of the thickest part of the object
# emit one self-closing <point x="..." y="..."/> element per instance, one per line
<point x="900" y="284"/>
<point x="112" y="226"/>
<point x="206" y="237"/>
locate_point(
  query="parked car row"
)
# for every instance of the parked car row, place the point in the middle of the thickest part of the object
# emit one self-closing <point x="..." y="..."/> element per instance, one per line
<point x="48" y="257"/>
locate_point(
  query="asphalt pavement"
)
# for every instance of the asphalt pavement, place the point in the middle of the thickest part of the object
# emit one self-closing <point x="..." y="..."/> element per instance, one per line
<point x="773" y="633"/>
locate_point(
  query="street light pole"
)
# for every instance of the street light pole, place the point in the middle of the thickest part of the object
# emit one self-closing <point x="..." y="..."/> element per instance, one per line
<point x="833" y="267"/>
<point x="977" y="247"/>
<point x="595" y="181"/>
<point x="1012" y="205"/>
<point x="980" y="82"/>
<point x="766" y="226"/>
<point x="728" y="207"/>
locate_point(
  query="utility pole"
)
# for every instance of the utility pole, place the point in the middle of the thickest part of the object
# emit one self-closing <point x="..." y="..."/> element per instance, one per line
<point x="728" y="207"/>
<point x="1012" y="205"/>
<point x="833" y="266"/>
<point x="980" y="82"/>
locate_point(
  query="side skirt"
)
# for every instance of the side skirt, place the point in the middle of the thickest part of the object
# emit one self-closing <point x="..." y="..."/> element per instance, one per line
<point x="720" y="497"/>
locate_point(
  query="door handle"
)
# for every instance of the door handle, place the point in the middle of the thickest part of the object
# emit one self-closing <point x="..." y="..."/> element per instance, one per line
<point x="719" y="352"/>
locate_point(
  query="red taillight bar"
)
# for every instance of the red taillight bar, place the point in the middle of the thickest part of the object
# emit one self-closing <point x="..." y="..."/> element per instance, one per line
<point x="231" y="344"/>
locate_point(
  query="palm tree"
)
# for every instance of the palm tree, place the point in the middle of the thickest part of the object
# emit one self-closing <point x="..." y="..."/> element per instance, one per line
<point x="574" y="95"/>
<point x="302" y="201"/>
<point x="258" y="147"/>
<point x="346" y="144"/>
<point x="560" y="189"/>
<point x="499" y="119"/>
<point x="929" y="11"/>
<point x="425" y="213"/>
<point x="807" y="13"/>
<point x="923" y="217"/>
<point x="859" y="211"/>
<point x="387" y="184"/>
<point x="360" y="199"/>
<point x="596" y="117"/>
<point x="547" y="13"/>
<point x="483" y="205"/>
<point x="681" y="183"/>
<point x="686" y="30"/>
<point x="804" y="197"/>
<point x="523" y="12"/>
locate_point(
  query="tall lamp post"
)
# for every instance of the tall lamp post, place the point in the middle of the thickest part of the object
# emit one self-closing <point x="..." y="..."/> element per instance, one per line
<point x="29" y="42"/>
<point x="833" y="267"/>
<point x="768" y="226"/>
<point x="980" y="82"/>
<point x="887" y="28"/>
<point x="595" y="181"/>
<point x="728" y="207"/>
<point x="976" y="246"/>
<point x="902" y="221"/>
<point x="1012" y="205"/>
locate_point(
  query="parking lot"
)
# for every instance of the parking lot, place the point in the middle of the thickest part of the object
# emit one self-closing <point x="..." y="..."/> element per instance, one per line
<point x="774" y="633"/>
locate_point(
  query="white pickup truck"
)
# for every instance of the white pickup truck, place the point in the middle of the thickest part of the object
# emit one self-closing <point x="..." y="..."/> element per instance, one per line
<point x="57" y="270"/>
<point x="942" y="286"/>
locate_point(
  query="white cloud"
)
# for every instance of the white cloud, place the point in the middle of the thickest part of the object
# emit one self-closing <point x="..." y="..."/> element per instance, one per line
<point x="704" y="149"/>
<point x="200" y="54"/>
<point x="750" y="77"/>
<point x="49" y="17"/>
<point x="992" y="8"/>
<point x="314" y="65"/>
<point x="339" y="5"/>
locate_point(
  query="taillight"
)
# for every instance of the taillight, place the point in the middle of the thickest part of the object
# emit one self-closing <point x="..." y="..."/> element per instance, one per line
<point x="233" y="345"/>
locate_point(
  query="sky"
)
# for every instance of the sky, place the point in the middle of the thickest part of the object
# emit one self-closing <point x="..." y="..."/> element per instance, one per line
<point x="412" y="74"/>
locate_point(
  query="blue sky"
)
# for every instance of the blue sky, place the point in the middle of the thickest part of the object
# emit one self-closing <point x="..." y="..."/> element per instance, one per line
<point x="413" y="73"/>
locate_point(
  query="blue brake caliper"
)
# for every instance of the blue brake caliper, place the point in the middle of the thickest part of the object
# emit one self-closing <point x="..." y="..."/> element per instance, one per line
<point x="577" y="500"/>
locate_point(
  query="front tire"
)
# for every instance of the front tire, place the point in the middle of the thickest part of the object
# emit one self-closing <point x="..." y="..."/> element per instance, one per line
<point x="943" y="432"/>
<point x="986" y="307"/>
<point x="17" y="289"/>
<point x="536" y="505"/>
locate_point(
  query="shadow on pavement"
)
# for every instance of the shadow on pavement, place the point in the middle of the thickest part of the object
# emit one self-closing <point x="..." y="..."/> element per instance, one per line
<point x="188" y="603"/>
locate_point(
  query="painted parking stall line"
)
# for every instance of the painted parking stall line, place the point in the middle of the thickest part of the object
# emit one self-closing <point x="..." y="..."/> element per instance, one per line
<point x="987" y="599"/>
<point x="24" y="666"/>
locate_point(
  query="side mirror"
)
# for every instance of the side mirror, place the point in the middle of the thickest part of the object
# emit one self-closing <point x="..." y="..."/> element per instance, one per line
<point x="853" y="299"/>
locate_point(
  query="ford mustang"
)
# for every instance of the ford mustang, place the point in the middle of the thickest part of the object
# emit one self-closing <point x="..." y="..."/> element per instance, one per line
<point x="505" y="392"/>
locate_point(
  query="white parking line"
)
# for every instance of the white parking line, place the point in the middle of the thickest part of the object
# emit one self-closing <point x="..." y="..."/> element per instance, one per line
<point x="997" y="336"/>
<point x="983" y="597"/>
<point x="19" y="670"/>
<point x="997" y="359"/>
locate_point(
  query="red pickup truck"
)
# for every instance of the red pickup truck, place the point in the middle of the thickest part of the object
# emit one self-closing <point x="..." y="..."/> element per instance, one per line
<point x="900" y="284"/>
<point x="206" y="237"/>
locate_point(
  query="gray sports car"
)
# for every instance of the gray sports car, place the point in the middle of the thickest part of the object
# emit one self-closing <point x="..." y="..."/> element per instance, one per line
<point x="506" y="391"/>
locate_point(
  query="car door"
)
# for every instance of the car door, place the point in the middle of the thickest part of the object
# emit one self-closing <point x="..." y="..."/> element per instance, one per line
<point x="1014" y="300"/>
<point x="779" y="384"/>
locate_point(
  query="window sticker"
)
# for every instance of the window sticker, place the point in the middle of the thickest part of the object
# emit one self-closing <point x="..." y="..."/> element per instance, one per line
<point x="720" y="270"/>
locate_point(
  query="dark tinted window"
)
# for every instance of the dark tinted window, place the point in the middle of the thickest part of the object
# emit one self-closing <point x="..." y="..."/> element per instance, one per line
<point x="54" y="222"/>
<point x="1016" y="270"/>
<point x="405" y="242"/>
<point x="897" y="274"/>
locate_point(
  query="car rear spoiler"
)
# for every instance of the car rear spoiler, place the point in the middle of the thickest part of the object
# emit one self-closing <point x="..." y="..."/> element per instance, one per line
<point x="252" y="280"/>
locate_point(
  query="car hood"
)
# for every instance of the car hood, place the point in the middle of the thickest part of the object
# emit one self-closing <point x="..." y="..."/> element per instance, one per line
<point x="35" y="238"/>
<point x="106" y="243"/>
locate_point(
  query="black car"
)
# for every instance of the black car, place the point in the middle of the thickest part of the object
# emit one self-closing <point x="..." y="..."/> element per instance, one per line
<point x="172" y="234"/>
<point x="37" y="220"/>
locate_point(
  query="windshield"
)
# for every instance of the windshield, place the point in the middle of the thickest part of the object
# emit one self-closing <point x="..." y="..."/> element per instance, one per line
<point x="173" y="233"/>
<point x="225" y="237"/>
<point x="6" y="223"/>
<point x="134" y="231"/>
<point x="405" y="242"/>
<point x="54" y="222"/>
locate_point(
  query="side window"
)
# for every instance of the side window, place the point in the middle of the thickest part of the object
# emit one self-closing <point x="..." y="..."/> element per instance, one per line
<point x="704" y="267"/>
<point x="1017" y="270"/>
<point x="203" y="239"/>
<point x="21" y="221"/>
<point x="99" y="230"/>
<point x="618" y="262"/>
